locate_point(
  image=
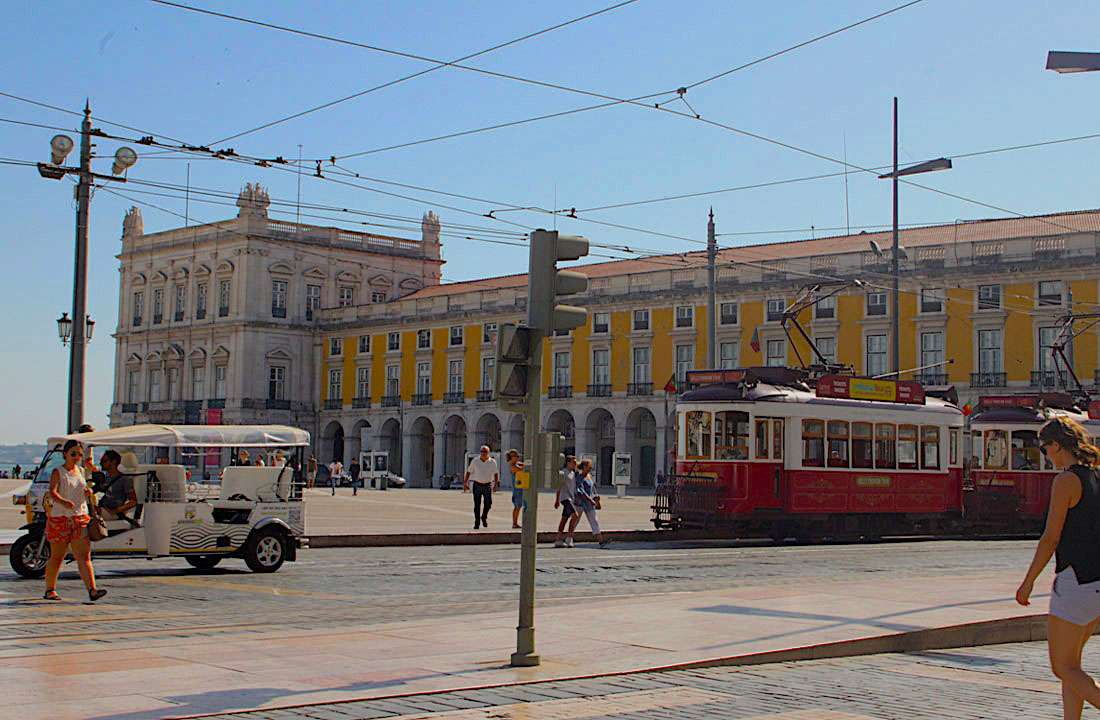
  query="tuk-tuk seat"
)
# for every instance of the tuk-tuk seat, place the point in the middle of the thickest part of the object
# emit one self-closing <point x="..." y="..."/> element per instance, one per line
<point x="244" y="483"/>
<point x="172" y="479"/>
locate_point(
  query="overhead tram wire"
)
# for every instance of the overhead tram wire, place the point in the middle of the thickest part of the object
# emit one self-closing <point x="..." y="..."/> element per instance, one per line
<point x="405" y="78"/>
<point x="97" y="118"/>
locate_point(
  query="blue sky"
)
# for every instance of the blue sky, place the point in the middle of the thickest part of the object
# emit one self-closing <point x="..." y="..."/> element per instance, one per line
<point x="969" y="76"/>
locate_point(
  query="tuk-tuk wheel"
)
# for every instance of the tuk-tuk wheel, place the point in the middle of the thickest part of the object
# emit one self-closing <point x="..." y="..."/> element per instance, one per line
<point x="266" y="550"/>
<point x="24" y="558"/>
<point x="203" y="562"/>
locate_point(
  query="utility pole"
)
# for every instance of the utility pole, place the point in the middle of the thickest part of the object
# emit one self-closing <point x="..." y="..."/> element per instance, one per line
<point x="712" y="325"/>
<point x="897" y="255"/>
<point x="80" y="277"/>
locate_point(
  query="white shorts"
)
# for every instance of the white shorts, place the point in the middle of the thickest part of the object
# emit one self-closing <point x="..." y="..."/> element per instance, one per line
<point x="1073" y="602"/>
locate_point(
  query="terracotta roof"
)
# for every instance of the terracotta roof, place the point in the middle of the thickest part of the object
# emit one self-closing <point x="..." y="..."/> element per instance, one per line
<point x="963" y="232"/>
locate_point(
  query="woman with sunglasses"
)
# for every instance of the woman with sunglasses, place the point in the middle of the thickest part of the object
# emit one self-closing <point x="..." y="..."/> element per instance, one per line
<point x="66" y="522"/>
<point x="1072" y="535"/>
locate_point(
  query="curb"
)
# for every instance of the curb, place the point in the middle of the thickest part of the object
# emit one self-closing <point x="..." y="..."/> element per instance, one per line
<point x="511" y="537"/>
<point x="1024" y="628"/>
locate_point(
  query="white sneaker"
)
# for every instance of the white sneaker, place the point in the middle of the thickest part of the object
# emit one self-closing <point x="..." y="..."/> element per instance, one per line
<point x="559" y="544"/>
<point x="569" y="542"/>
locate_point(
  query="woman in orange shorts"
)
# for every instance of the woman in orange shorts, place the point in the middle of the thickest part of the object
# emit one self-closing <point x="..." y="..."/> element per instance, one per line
<point x="66" y="520"/>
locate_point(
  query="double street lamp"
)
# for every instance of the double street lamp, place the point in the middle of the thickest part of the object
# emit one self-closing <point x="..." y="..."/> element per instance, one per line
<point x="65" y="328"/>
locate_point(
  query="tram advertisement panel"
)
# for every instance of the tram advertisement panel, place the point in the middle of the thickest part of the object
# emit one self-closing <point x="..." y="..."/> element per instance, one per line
<point x="841" y="386"/>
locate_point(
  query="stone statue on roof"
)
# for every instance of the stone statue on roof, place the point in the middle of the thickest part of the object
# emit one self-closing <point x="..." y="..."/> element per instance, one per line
<point x="132" y="224"/>
<point x="253" y="200"/>
<point x="429" y="234"/>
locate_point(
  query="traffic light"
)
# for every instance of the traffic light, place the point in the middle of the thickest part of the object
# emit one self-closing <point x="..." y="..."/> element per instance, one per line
<point x="546" y="282"/>
<point x="513" y="365"/>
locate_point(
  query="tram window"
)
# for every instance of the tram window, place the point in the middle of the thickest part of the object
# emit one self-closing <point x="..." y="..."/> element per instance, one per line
<point x="698" y="435"/>
<point x="862" y="444"/>
<point x="929" y="447"/>
<point x="996" y="450"/>
<point x="976" y="450"/>
<point x="885" y="446"/>
<point x="907" y="447"/>
<point x="953" y="447"/>
<point x="762" y="439"/>
<point x="731" y="435"/>
<point x="777" y="439"/>
<point x="1025" y="450"/>
<point x="813" y="443"/>
<point x="838" y="443"/>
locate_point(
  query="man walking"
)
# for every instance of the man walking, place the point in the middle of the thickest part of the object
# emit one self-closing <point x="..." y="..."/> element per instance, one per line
<point x="566" y="499"/>
<point x="354" y="469"/>
<point x="485" y="474"/>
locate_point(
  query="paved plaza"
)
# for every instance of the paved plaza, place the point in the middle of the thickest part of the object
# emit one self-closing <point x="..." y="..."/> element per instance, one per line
<point x="359" y="623"/>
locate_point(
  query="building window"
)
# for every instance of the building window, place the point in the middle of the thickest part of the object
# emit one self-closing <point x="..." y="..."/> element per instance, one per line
<point x="276" y="383"/>
<point x="641" y="365"/>
<point x="139" y="307"/>
<point x="423" y="378"/>
<point x="158" y="305"/>
<point x="423" y="339"/>
<point x="601" y="323"/>
<point x="362" y="382"/>
<point x="346" y="296"/>
<point x="454" y="376"/>
<point x="377" y="296"/>
<point x="313" y="300"/>
<point x="641" y="319"/>
<point x="224" y="287"/>
<point x="489" y="333"/>
<point x="601" y="367"/>
<point x="825" y="308"/>
<point x="364" y="344"/>
<point x="685" y="316"/>
<point x="685" y="360"/>
<point x="173" y="376"/>
<point x="931" y="301"/>
<point x="1048" y="336"/>
<point x="200" y="301"/>
<point x="989" y="297"/>
<point x="393" y="380"/>
<point x="989" y="351"/>
<point x="336" y="346"/>
<point x="335" y="385"/>
<point x="827" y="347"/>
<point x="561" y="369"/>
<point x="727" y="314"/>
<point x="393" y="341"/>
<point x="727" y="355"/>
<point x="776" y="355"/>
<point x="931" y="352"/>
<point x="488" y="368"/>
<point x="154" y="385"/>
<point x="1050" y="293"/>
<point x="220" y="374"/>
<point x="876" y="355"/>
<point x="457" y="335"/>
<point x="876" y="304"/>
<point x="198" y="383"/>
<point x="775" y="309"/>
<point x="133" y="385"/>
<point x="181" y="301"/>
<point x="278" y="299"/>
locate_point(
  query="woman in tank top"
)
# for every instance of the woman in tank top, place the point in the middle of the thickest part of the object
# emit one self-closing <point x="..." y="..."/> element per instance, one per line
<point x="1072" y="535"/>
<point x="66" y="522"/>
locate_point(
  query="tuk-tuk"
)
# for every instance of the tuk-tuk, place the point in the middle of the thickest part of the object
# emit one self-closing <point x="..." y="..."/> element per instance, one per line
<point x="255" y="513"/>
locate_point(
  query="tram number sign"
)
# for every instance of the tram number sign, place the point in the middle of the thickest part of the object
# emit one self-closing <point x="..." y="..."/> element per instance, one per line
<point x="842" y="386"/>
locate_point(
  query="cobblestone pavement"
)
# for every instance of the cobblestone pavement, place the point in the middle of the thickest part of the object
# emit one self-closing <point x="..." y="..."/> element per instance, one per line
<point x="988" y="683"/>
<point x="167" y="599"/>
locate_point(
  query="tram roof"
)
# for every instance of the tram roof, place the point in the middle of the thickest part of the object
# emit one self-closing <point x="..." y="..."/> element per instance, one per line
<point x="1024" y="415"/>
<point x="765" y="392"/>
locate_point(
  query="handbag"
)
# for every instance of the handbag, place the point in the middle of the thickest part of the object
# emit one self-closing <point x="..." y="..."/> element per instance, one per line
<point x="597" y="502"/>
<point x="97" y="528"/>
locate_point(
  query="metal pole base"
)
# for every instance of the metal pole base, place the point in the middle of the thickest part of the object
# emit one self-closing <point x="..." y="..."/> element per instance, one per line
<point x="525" y="655"/>
<point x="525" y="660"/>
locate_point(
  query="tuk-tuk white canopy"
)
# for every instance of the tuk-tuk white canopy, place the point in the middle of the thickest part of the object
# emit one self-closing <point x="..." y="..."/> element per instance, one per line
<point x="192" y="436"/>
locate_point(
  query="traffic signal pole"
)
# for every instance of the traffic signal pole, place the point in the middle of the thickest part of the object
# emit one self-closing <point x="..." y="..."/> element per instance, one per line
<point x="534" y="461"/>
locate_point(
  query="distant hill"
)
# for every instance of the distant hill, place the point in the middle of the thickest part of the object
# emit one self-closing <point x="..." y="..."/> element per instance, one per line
<point x="26" y="454"/>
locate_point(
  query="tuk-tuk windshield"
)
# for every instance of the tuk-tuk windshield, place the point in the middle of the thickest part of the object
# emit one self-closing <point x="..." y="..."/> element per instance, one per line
<point x="53" y="459"/>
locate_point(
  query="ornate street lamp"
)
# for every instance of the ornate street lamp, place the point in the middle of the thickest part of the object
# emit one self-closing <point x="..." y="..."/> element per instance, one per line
<point x="64" y="328"/>
<point x="89" y="325"/>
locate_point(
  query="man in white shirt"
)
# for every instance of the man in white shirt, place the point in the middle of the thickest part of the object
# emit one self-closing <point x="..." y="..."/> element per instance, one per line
<point x="485" y="474"/>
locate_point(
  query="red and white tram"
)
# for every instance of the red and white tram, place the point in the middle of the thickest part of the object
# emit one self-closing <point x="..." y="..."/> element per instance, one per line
<point x="771" y="452"/>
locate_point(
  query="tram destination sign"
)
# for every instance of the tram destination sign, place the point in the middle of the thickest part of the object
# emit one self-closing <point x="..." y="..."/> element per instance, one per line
<point x="856" y="388"/>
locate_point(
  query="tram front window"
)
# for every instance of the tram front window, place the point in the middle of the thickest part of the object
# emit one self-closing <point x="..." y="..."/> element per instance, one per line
<point x="907" y="447"/>
<point x="862" y="445"/>
<point x="838" y="443"/>
<point x="885" y="446"/>
<point x="813" y="443"/>
<point x="698" y="432"/>
<point x="1025" y="450"/>
<point x="996" y="450"/>
<point x="731" y="432"/>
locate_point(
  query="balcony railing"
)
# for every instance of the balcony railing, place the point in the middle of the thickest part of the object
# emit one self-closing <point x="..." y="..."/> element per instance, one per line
<point x="200" y="314"/>
<point x="454" y="398"/>
<point x="360" y="403"/>
<point x="987" y="379"/>
<point x="391" y="401"/>
<point x="276" y="404"/>
<point x="278" y="312"/>
<point x="932" y="378"/>
<point x="484" y="395"/>
<point x="179" y="316"/>
<point x="639" y="389"/>
<point x="216" y="403"/>
<point x="129" y="407"/>
<point x="599" y="390"/>
<point x="422" y="399"/>
<point x="1049" y="378"/>
<point x="560" y="391"/>
<point x="223" y="311"/>
<point x="333" y="404"/>
<point x="157" y="319"/>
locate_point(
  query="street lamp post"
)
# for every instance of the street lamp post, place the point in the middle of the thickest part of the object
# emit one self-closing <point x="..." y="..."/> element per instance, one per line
<point x="924" y="167"/>
<point x="80" y="332"/>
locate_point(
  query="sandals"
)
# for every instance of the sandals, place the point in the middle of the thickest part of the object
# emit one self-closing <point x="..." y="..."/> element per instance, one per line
<point x="51" y="595"/>
<point x="94" y="595"/>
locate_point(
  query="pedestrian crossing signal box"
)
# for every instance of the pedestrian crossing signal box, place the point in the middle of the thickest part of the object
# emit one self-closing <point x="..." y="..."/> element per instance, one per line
<point x="523" y="480"/>
<point x="513" y="365"/>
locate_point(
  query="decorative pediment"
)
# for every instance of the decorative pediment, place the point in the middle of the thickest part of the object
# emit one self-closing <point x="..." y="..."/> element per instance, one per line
<point x="315" y="273"/>
<point x="159" y="276"/>
<point x="134" y="361"/>
<point x="278" y="354"/>
<point x="410" y="284"/>
<point x="280" y="268"/>
<point x="347" y="276"/>
<point x="153" y="358"/>
<point x="224" y="268"/>
<point x="202" y="270"/>
<point x="181" y="273"/>
<point x="138" y="279"/>
<point x="380" y="281"/>
<point x="198" y="357"/>
<point x="174" y="353"/>
<point x="221" y="353"/>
